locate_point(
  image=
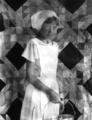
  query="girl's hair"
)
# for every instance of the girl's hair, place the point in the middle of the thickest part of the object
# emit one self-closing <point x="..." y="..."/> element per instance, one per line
<point x="38" y="33"/>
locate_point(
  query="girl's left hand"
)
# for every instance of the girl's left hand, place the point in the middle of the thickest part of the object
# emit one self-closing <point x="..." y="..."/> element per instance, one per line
<point x="54" y="97"/>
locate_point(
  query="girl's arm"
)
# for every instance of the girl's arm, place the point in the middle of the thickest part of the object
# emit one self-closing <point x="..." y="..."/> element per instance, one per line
<point x="33" y="72"/>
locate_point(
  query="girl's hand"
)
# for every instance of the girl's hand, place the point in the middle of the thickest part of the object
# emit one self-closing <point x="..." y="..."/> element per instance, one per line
<point x="54" y="97"/>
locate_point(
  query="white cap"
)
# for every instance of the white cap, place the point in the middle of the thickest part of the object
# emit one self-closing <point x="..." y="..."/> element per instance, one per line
<point x="39" y="18"/>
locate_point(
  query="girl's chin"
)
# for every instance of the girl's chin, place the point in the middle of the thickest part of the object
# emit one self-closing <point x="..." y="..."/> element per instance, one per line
<point x="53" y="36"/>
<point x="50" y="36"/>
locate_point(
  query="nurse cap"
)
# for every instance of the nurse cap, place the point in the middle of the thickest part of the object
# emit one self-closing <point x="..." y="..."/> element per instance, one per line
<point x="39" y="18"/>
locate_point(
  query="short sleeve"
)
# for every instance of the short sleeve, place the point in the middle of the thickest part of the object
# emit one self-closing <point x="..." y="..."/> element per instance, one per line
<point x="31" y="51"/>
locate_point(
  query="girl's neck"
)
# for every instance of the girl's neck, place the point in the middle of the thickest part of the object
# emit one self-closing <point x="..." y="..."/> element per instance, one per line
<point x="46" y="41"/>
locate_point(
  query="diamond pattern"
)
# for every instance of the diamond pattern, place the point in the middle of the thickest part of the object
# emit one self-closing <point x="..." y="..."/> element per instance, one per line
<point x="2" y="84"/>
<point x="89" y="29"/>
<point x="20" y="96"/>
<point x="70" y="56"/>
<point x="15" y="109"/>
<point x="71" y="109"/>
<point x="14" y="56"/>
<point x="72" y="5"/>
<point x="2" y="27"/>
<point x="88" y="85"/>
<point x="15" y="4"/>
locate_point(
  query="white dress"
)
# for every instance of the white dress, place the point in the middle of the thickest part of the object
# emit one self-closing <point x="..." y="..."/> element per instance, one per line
<point x="36" y="105"/>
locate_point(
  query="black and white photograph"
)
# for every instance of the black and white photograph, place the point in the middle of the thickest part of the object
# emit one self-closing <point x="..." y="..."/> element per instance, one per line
<point x="45" y="59"/>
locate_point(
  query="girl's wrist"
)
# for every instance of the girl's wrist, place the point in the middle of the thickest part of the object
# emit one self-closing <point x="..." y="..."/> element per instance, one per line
<point x="48" y="91"/>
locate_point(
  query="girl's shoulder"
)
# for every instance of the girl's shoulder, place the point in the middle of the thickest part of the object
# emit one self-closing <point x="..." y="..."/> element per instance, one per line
<point x="35" y="41"/>
<point x="32" y="41"/>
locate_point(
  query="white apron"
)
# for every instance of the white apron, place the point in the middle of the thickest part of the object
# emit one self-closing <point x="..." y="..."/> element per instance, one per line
<point x="36" y="105"/>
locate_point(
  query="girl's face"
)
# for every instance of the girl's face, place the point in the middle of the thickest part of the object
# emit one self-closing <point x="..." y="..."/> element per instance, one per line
<point x="48" y="29"/>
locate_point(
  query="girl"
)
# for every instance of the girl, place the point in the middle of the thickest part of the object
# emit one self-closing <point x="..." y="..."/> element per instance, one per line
<point x="42" y="98"/>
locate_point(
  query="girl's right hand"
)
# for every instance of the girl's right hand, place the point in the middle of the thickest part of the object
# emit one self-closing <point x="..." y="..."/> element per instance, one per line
<point x="54" y="97"/>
